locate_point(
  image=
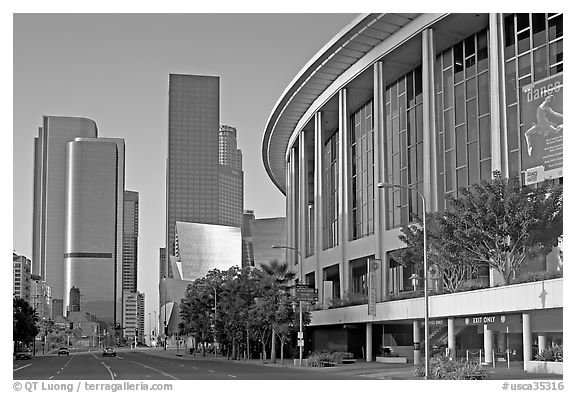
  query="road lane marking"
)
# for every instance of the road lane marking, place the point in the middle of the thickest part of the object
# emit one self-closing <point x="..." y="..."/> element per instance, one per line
<point x="195" y="368"/>
<point x="232" y="376"/>
<point x="119" y="357"/>
<point x="20" y="368"/>
<point x="110" y="371"/>
<point x="159" y="371"/>
<point x="52" y="376"/>
<point x="211" y="371"/>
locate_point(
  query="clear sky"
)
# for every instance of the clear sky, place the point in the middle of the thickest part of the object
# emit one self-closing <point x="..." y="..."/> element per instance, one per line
<point x="113" y="69"/>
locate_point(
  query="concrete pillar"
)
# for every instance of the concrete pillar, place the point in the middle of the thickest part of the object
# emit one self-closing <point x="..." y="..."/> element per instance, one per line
<point x="379" y="176"/>
<point x="294" y="218"/>
<point x="451" y="338"/>
<point x="541" y="342"/>
<point x="343" y="186"/>
<point x="302" y="202"/>
<point x="526" y="339"/>
<point x="416" y="335"/>
<point x="497" y="106"/>
<point x="429" y="121"/>
<point x="318" y="201"/>
<point x="488" y="344"/>
<point x="368" y="341"/>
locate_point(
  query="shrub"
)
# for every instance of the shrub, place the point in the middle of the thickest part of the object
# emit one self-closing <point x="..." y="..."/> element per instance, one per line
<point x="551" y="354"/>
<point x="442" y="367"/>
<point x="316" y="358"/>
<point x="338" y="356"/>
<point x="537" y="276"/>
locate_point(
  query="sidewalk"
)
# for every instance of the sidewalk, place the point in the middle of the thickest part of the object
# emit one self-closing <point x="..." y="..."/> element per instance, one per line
<point x="361" y="368"/>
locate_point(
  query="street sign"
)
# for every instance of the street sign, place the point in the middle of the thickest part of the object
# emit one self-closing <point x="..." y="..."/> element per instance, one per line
<point x="305" y="293"/>
<point x="300" y="334"/>
<point x="300" y="343"/>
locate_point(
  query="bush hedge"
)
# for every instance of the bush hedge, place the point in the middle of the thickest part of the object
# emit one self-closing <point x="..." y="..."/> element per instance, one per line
<point x="316" y="358"/>
<point x="551" y="354"/>
<point x="442" y="367"/>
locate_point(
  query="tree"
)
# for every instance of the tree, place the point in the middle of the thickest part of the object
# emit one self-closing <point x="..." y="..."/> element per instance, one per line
<point x="449" y="260"/>
<point x="277" y="275"/>
<point x="497" y="223"/>
<point x="24" y="319"/>
<point x="196" y="311"/>
<point x="502" y="224"/>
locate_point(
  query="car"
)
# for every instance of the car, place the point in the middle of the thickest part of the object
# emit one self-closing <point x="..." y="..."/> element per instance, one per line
<point x="24" y="353"/>
<point x="63" y="351"/>
<point x="109" y="351"/>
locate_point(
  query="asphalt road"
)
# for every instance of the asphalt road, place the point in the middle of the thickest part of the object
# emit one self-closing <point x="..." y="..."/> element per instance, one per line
<point x="140" y="365"/>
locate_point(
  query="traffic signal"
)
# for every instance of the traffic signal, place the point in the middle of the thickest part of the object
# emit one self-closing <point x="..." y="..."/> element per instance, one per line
<point x="71" y="325"/>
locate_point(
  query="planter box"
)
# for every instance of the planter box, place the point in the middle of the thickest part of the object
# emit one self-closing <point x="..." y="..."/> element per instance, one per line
<point x="391" y="359"/>
<point x="536" y="366"/>
<point x="348" y="361"/>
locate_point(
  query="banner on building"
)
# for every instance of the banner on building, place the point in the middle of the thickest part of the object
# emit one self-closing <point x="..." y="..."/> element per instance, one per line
<point x="541" y="108"/>
<point x="373" y="265"/>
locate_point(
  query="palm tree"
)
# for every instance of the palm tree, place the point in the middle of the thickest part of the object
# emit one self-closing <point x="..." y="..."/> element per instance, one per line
<point x="278" y="274"/>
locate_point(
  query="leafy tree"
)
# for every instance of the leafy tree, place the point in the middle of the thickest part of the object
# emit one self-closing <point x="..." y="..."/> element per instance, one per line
<point x="497" y="223"/>
<point x="445" y="256"/>
<point x="24" y="319"/>
<point x="196" y="311"/>
<point x="502" y="224"/>
<point x="276" y="277"/>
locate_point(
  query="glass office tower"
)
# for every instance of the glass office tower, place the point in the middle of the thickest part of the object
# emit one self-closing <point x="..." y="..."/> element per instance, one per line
<point x="49" y="191"/>
<point x="192" y="166"/>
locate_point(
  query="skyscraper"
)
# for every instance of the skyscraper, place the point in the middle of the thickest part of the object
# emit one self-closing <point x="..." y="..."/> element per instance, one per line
<point x="49" y="194"/>
<point x="130" y="242"/>
<point x="231" y="178"/>
<point x="93" y="230"/>
<point x="192" y="166"/>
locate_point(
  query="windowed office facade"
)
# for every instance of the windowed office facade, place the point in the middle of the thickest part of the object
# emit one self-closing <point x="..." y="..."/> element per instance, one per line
<point x="430" y="102"/>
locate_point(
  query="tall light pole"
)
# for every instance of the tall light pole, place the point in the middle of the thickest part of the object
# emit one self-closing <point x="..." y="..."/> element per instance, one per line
<point x="155" y="331"/>
<point x="165" y="303"/>
<point x="301" y="333"/>
<point x="427" y="344"/>
<point x="215" y="318"/>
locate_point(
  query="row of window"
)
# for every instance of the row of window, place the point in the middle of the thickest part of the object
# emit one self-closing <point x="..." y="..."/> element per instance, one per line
<point x="533" y="50"/>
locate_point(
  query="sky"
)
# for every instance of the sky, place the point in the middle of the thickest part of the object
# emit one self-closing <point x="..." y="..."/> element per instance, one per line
<point x="114" y="68"/>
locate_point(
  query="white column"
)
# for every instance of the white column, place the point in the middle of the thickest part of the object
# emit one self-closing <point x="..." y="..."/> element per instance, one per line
<point x="318" y="202"/>
<point x="498" y="124"/>
<point x="303" y="201"/>
<point x="526" y="339"/>
<point x="429" y="123"/>
<point x="541" y="342"/>
<point x="368" y="341"/>
<point x="416" y="339"/>
<point x="488" y="344"/>
<point x="379" y="176"/>
<point x="343" y="187"/>
<point x="451" y="338"/>
<point x="293" y="179"/>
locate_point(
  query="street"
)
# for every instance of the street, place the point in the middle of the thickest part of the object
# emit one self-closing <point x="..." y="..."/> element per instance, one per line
<point x="144" y="365"/>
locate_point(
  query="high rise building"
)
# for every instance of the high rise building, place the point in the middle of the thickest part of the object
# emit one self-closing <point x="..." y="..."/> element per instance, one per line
<point x="204" y="178"/>
<point x="49" y="195"/>
<point x="41" y="298"/>
<point x="21" y="269"/>
<point x="94" y="225"/>
<point x="133" y="310"/>
<point x="192" y="166"/>
<point x="130" y="242"/>
<point x="231" y="178"/>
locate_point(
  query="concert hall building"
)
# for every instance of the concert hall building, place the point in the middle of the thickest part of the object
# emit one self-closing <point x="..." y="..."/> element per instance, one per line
<point x="434" y="102"/>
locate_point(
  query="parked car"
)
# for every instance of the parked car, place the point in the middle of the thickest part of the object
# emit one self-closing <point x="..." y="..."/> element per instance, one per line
<point x="109" y="351"/>
<point x="24" y="353"/>
<point x="63" y="351"/>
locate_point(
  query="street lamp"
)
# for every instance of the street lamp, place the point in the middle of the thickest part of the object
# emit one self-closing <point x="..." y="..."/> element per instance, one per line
<point x="301" y="333"/>
<point x="165" y="303"/>
<point x="427" y="344"/>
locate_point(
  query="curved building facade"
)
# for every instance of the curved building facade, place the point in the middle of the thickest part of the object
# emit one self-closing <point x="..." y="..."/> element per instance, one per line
<point x="93" y="230"/>
<point x="434" y="102"/>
